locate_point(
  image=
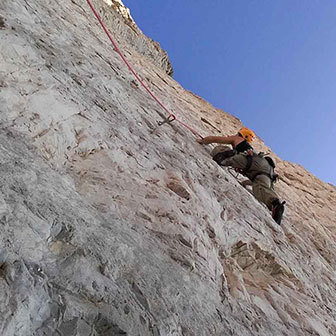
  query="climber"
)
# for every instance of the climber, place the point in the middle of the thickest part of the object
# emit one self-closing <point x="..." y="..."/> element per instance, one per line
<point x="240" y="142"/>
<point x="258" y="168"/>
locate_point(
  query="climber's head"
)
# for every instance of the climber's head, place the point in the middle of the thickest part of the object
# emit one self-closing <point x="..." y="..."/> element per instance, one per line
<point x="247" y="134"/>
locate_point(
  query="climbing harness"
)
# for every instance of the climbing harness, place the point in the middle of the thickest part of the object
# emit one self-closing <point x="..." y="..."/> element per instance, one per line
<point x="235" y="172"/>
<point x="171" y="116"/>
<point x="271" y="174"/>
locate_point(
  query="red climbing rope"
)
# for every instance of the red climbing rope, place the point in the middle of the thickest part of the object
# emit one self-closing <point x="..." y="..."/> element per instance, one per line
<point x="171" y="116"/>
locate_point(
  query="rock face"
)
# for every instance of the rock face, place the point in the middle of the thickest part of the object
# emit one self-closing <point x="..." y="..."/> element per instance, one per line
<point x="121" y="23"/>
<point x="111" y="226"/>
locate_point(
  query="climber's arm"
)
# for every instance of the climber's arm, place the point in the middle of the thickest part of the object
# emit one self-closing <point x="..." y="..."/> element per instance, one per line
<point x="230" y="140"/>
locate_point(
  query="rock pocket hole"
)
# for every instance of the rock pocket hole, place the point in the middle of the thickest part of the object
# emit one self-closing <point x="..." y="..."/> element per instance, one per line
<point x="2" y="23"/>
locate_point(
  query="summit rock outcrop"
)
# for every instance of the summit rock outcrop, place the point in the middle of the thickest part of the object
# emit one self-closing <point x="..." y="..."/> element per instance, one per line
<point x="111" y="225"/>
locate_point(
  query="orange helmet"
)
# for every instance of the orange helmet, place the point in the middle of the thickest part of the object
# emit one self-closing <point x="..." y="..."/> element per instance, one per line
<point x="247" y="134"/>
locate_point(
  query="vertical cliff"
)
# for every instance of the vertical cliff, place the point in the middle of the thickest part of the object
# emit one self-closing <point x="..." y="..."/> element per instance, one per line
<point x="111" y="226"/>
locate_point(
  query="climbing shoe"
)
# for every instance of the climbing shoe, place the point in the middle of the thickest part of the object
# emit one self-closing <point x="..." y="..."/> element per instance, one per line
<point x="278" y="209"/>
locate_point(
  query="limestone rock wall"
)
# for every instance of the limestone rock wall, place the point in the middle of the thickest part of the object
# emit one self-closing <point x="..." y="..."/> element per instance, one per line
<point x="111" y="226"/>
<point x="119" y="20"/>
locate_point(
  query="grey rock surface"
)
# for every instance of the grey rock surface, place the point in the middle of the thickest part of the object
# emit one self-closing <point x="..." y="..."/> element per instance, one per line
<point x="121" y="23"/>
<point x="112" y="226"/>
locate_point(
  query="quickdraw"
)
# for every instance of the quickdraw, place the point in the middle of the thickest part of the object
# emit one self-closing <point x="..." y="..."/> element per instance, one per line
<point x="169" y="119"/>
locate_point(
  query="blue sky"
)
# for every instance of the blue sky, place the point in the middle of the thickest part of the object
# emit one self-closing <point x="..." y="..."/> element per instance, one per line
<point x="271" y="63"/>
